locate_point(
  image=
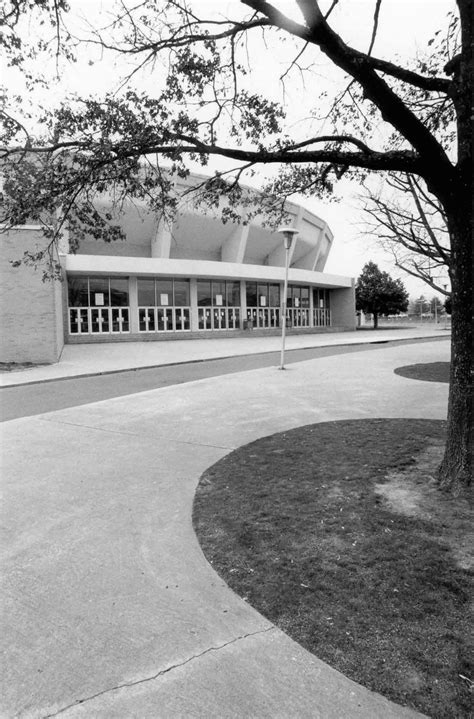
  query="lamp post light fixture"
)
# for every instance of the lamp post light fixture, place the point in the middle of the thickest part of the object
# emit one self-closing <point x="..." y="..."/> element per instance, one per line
<point x="288" y="234"/>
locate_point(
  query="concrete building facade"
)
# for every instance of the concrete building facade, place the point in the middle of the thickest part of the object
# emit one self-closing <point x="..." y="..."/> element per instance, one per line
<point x="194" y="277"/>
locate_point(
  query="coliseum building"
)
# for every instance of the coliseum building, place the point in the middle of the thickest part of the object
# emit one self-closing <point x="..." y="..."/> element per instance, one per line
<point x="195" y="279"/>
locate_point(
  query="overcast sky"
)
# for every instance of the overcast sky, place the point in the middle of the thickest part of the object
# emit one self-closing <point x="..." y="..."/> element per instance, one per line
<point x="404" y="29"/>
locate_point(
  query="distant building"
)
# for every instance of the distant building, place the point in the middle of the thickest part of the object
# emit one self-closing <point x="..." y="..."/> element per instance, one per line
<point x="198" y="278"/>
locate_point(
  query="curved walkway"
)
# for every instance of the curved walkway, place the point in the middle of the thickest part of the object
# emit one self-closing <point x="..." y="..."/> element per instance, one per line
<point x="110" y="608"/>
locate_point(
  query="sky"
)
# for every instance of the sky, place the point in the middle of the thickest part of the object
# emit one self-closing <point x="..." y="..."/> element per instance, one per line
<point x="405" y="26"/>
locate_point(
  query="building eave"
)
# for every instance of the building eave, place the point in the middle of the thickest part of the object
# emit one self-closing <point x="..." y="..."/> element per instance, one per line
<point x="146" y="266"/>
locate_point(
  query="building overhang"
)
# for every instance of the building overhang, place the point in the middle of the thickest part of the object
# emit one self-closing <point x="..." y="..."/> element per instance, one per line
<point x="206" y="269"/>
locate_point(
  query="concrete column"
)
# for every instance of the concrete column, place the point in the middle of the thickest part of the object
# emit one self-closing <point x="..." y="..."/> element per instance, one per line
<point x="318" y="249"/>
<point x="193" y="298"/>
<point x="161" y="242"/>
<point x="325" y="247"/>
<point x="311" y="307"/>
<point x="243" y="301"/>
<point x="277" y="258"/>
<point x="133" y="303"/>
<point x="233" y="249"/>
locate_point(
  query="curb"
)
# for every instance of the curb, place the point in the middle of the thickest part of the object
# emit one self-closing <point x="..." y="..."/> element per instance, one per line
<point x="409" y="340"/>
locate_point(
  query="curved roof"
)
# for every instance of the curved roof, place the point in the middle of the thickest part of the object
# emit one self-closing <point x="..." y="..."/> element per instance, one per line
<point x="196" y="234"/>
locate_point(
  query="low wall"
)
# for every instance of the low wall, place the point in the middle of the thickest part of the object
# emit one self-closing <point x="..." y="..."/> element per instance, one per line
<point x="201" y="335"/>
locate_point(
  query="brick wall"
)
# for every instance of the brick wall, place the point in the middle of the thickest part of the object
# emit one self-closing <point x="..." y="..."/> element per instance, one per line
<point x="30" y="310"/>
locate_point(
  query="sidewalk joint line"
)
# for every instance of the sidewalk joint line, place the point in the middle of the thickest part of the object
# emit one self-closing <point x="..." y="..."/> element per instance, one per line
<point x="129" y="434"/>
<point x="161" y="672"/>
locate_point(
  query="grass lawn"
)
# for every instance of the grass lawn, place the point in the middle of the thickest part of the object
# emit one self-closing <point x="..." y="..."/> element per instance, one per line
<point x="337" y="533"/>
<point x="432" y="372"/>
<point x="12" y="366"/>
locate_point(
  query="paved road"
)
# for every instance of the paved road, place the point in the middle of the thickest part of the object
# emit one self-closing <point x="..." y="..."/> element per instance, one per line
<point x="37" y="398"/>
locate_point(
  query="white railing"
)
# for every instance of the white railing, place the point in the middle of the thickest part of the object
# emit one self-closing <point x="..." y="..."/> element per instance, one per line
<point x="297" y="317"/>
<point x="262" y="317"/>
<point x="321" y="318"/>
<point x="164" y="319"/>
<point x="99" y="320"/>
<point x="218" y="318"/>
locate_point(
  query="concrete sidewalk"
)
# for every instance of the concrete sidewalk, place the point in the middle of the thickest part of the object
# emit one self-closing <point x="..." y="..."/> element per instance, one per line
<point x="90" y="359"/>
<point x="110" y="609"/>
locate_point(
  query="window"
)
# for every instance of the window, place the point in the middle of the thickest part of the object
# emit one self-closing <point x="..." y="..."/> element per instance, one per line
<point x="263" y="304"/>
<point x="321" y="313"/>
<point x="78" y="291"/>
<point x="181" y="293"/>
<point x="262" y="294"/>
<point x="118" y="292"/>
<point x="274" y="295"/>
<point x="218" y="304"/>
<point x="233" y="294"/>
<point x="252" y="294"/>
<point x="163" y="305"/>
<point x="146" y="293"/>
<point x="204" y="293"/>
<point x="98" y="305"/>
<point x="298" y="314"/>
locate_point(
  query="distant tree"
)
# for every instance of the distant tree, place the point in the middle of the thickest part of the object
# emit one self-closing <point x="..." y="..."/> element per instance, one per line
<point x="419" y="306"/>
<point x="379" y="294"/>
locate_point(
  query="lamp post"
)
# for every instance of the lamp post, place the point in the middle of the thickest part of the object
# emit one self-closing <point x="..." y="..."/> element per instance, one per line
<point x="445" y="313"/>
<point x="288" y="234"/>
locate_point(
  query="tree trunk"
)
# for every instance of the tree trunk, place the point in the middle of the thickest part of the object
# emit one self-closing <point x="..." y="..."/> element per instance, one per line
<point x="376" y="320"/>
<point x="455" y="472"/>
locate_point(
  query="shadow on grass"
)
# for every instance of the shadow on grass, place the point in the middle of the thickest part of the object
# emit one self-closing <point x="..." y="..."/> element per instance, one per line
<point x="337" y="533"/>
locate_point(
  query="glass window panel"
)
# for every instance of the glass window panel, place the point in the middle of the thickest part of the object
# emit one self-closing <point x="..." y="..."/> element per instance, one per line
<point x="151" y="319"/>
<point x="274" y="296"/>
<point x="142" y="326"/>
<point x="181" y="293"/>
<point x="186" y="320"/>
<point x="181" y="319"/>
<point x="233" y="294"/>
<point x="119" y="291"/>
<point x="262" y="292"/>
<point x="116" y="324"/>
<point x="305" y="297"/>
<point x="146" y="293"/>
<point x="74" y="321"/>
<point x="84" y="320"/>
<point x="161" y="320"/>
<point x="204" y="293"/>
<point x="78" y="291"/>
<point x="251" y="289"/>
<point x="95" y="324"/>
<point x="104" y="314"/>
<point x="99" y="291"/>
<point x="125" y="321"/>
<point x="218" y="294"/>
<point x="164" y="293"/>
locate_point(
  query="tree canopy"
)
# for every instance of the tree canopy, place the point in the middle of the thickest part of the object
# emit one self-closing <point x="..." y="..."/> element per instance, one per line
<point x="379" y="294"/>
<point x="187" y="94"/>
